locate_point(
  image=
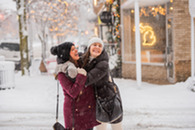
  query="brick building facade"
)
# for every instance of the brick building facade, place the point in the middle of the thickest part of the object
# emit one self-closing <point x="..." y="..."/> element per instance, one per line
<point x="168" y="60"/>
<point x="165" y="36"/>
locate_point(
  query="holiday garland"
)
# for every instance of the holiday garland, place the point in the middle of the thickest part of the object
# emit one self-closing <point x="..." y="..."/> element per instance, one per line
<point x="116" y="35"/>
<point x="114" y="7"/>
<point x="116" y="24"/>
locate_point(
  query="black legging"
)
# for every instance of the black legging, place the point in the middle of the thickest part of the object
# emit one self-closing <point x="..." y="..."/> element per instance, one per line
<point x="90" y="129"/>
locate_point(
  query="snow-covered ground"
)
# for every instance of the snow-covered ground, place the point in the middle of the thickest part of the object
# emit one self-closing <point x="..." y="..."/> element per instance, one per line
<point x="31" y="105"/>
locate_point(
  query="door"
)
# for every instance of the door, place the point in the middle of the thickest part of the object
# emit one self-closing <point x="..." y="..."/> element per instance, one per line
<point x="169" y="50"/>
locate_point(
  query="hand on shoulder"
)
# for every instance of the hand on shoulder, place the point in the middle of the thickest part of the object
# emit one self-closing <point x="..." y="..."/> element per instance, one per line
<point x="81" y="71"/>
<point x="68" y="68"/>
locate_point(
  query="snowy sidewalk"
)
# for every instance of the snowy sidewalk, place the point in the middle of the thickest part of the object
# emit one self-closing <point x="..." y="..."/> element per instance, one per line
<point x="157" y="107"/>
<point x="31" y="105"/>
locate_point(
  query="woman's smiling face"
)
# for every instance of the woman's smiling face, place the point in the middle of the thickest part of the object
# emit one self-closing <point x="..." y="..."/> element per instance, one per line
<point x="96" y="50"/>
<point x="74" y="53"/>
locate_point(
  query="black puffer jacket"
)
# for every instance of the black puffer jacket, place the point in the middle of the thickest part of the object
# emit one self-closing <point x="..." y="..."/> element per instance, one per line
<point x="98" y="74"/>
<point x="98" y="77"/>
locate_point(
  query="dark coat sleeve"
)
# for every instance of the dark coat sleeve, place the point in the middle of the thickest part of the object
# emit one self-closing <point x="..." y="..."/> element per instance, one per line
<point x="72" y="88"/>
<point x="97" y="73"/>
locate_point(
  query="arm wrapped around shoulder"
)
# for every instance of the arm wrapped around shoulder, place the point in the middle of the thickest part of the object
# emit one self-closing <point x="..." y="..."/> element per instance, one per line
<point x="81" y="71"/>
<point x="68" y="68"/>
<point x="72" y="71"/>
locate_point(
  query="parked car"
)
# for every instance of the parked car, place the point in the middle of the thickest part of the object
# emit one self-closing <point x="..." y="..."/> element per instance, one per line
<point x="11" y="52"/>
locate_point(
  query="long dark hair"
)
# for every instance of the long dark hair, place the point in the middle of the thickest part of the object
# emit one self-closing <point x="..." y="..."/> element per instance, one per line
<point x="85" y="58"/>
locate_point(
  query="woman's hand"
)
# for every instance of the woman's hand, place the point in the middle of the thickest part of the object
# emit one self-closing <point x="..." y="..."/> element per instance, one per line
<point x="82" y="71"/>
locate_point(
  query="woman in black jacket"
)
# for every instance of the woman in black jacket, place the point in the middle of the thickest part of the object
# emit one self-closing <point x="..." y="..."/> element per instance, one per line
<point x="95" y="62"/>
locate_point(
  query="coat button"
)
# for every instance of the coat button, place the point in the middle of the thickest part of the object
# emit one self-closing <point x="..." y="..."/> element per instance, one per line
<point x="81" y="92"/>
<point x="89" y="106"/>
<point x="76" y="109"/>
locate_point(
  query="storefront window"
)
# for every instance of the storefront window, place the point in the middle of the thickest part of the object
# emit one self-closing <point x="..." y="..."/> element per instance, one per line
<point x="128" y="48"/>
<point x="152" y="34"/>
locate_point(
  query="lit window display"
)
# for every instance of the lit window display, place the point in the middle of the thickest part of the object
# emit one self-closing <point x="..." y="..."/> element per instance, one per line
<point x="152" y="33"/>
<point x="149" y="38"/>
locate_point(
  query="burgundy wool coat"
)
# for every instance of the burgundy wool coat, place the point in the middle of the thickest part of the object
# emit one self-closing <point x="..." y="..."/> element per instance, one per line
<point x="79" y="108"/>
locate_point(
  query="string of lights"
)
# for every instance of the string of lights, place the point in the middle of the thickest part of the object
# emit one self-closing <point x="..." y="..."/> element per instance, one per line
<point x="153" y="10"/>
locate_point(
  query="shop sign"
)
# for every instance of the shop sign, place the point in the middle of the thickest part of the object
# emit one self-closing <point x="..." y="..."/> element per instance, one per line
<point x="106" y="17"/>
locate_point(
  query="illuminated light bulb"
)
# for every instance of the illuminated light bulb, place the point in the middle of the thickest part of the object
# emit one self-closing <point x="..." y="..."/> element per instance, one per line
<point x="29" y="1"/>
<point x="32" y="11"/>
<point x="96" y="31"/>
<point x="86" y="32"/>
<point x="65" y="3"/>
<point x="108" y="1"/>
<point x="95" y="2"/>
<point x="132" y="11"/>
<point x="171" y="8"/>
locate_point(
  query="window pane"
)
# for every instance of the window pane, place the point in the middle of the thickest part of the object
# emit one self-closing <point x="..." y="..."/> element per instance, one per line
<point x="152" y="34"/>
<point x="129" y="44"/>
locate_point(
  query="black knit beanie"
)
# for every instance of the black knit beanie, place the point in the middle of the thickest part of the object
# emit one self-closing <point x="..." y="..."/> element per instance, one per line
<point x="62" y="51"/>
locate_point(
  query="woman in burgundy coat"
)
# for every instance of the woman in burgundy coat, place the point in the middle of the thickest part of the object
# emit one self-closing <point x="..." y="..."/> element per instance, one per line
<point x="79" y="101"/>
